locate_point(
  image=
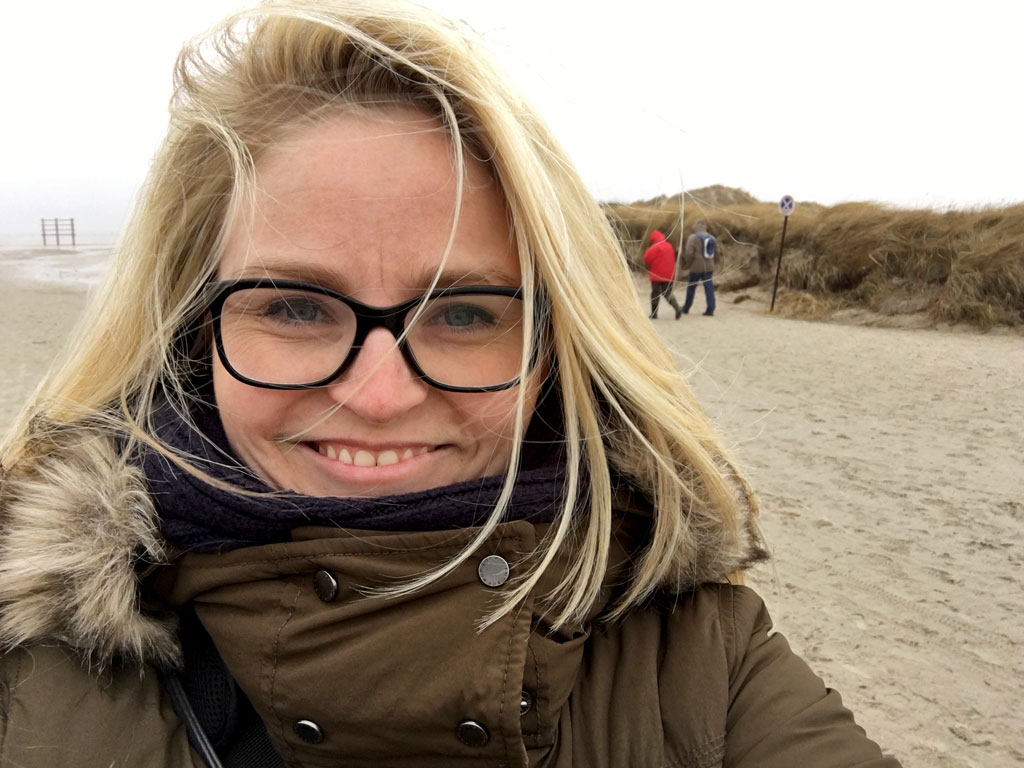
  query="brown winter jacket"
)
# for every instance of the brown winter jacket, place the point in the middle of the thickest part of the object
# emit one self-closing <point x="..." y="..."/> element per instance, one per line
<point x="694" y="679"/>
<point x="693" y="255"/>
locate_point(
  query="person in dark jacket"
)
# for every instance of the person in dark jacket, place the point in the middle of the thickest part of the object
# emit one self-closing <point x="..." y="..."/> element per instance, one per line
<point x="341" y="468"/>
<point x="660" y="259"/>
<point x="700" y="267"/>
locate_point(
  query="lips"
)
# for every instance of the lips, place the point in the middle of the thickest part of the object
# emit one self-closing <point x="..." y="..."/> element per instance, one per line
<point x="361" y="457"/>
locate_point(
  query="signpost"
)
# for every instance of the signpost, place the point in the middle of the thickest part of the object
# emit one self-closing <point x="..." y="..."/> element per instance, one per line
<point x="786" y="206"/>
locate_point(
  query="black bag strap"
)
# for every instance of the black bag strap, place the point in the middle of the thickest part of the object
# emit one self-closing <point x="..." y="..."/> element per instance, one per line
<point x="196" y="736"/>
<point x="223" y="727"/>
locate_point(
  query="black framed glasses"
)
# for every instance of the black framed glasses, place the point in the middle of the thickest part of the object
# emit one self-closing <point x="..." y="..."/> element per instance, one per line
<point x="288" y="334"/>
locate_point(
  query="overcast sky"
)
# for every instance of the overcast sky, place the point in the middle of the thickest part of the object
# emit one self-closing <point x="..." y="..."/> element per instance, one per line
<point x="910" y="103"/>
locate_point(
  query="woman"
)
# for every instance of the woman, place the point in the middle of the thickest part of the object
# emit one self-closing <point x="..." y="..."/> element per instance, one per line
<point x="364" y="455"/>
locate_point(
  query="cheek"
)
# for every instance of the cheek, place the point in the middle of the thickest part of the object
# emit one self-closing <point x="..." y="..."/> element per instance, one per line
<point x="247" y="413"/>
<point x="491" y="415"/>
<point x="496" y="415"/>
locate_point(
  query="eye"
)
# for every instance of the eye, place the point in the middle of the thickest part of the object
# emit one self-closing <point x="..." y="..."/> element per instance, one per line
<point x="475" y="319"/>
<point x="464" y="315"/>
<point x="295" y="310"/>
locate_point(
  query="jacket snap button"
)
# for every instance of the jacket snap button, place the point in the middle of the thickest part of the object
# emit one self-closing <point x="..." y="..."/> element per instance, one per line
<point x="308" y="731"/>
<point x="326" y="585"/>
<point x="525" y="702"/>
<point x="472" y="734"/>
<point x="493" y="570"/>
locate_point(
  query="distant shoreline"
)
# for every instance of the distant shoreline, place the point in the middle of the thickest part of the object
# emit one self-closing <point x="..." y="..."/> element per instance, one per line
<point x="78" y="268"/>
<point x="10" y="240"/>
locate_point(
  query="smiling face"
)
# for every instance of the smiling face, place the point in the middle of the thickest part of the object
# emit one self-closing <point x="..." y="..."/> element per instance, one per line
<point x="364" y="204"/>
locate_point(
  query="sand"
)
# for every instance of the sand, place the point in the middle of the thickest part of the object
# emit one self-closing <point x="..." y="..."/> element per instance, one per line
<point x="42" y="293"/>
<point x="890" y="464"/>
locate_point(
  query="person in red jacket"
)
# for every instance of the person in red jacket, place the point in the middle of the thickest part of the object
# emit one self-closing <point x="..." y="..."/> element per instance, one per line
<point x="660" y="259"/>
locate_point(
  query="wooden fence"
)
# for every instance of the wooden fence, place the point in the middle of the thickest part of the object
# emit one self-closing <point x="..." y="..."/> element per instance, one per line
<point x="57" y="227"/>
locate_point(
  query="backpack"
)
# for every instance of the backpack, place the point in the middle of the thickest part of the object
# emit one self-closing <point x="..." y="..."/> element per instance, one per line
<point x="709" y="245"/>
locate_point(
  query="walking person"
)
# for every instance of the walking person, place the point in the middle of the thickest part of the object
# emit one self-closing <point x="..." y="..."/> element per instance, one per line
<point x="363" y="454"/>
<point x="660" y="259"/>
<point x="699" y="252"/>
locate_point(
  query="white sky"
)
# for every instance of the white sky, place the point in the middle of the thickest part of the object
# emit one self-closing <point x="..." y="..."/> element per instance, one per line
<point x="911" y="103"/>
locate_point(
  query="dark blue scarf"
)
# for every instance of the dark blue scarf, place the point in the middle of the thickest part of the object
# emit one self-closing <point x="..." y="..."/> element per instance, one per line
<point x="200" y="517"/>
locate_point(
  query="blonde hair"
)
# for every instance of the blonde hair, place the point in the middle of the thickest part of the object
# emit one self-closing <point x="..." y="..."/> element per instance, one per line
<point x="628" y="414"/>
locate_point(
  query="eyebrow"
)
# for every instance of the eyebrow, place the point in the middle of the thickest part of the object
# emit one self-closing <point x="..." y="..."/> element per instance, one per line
<point x="331" y="278"/>
<point x="449" y="278"/>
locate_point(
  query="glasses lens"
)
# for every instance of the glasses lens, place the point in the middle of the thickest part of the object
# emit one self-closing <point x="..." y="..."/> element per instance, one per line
<point x="285" y="337"/>
<point x="468" y="340"/>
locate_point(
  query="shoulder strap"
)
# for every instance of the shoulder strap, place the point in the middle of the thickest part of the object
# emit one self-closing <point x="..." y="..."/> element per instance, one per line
<point x="196" y="736"/>
<point x="222" y="725"/>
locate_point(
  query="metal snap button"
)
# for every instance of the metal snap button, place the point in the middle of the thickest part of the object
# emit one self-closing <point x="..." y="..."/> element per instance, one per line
<point x="493" y="570"/>
<point x="326" y="585"/>
<point x="308" y="731"/>
<point x="525" y="702"/>
<point x="472" y="734"/>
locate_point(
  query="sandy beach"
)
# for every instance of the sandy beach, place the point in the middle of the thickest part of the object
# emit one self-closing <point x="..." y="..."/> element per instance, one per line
<point x="890" y="465"/>
<point x="42" y="293"/>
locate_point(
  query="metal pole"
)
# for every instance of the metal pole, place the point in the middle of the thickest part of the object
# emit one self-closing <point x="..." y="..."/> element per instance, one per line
<point x="56" y="229"/>
<point x="73" y="233"/>
<point x="42" y="223"/>
<point x="778" y="264"/>
<point x="682" y="231"/>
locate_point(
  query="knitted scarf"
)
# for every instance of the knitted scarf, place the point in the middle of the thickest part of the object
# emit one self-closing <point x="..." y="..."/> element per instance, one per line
<point x="201" y="517"/>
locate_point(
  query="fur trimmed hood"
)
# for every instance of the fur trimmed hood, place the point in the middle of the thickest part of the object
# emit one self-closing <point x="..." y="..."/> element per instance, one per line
<point x="73" y="535"/>
<point x="79" y="528"/>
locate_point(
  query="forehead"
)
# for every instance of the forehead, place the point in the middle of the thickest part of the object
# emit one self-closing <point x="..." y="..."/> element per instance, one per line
<point x="356" y="150"/>
<point x="370" y="198"/>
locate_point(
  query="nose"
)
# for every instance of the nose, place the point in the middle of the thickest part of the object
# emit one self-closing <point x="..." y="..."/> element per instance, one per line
<point x="379" y="385"/>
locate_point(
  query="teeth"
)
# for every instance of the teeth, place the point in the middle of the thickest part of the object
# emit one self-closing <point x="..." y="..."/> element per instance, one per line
<point x="361" y="458"/>
<point x="386" y="458"/>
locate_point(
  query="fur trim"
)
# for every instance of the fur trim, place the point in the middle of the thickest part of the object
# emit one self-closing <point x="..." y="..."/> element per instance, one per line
<point x="73" y="527"/>
<point x="715" y="552"/>
<point x="710" y="551"/>
<point x="724" y="552"/>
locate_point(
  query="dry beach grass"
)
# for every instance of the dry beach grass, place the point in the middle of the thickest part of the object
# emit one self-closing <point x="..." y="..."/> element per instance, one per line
<point x="889" y="462"/>
<point x="955" y="266"/>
